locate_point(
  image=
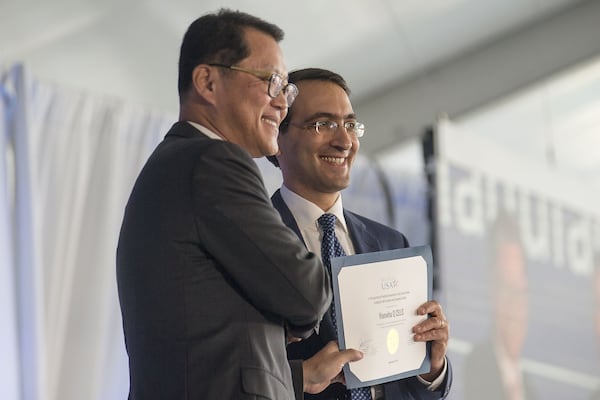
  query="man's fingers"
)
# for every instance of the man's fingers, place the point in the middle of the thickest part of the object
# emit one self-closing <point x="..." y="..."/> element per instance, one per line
<point x="341" y="356"/>
<point x="349" y="355"/>
<point x="326" y="365"/>
<point x="431" y="307"/>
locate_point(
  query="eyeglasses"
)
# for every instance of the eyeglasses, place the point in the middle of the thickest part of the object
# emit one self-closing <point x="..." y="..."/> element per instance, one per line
<point x="276" y="84"/>
<point x="329" y="127"/>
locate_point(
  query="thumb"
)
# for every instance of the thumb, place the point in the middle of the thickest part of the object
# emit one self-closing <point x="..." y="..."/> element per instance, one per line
<point x="349" y="355"/>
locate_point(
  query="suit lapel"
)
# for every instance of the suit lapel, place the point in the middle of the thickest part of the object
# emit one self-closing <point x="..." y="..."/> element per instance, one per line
<point x="286" y="214"/>
<point x="363" y="241"/>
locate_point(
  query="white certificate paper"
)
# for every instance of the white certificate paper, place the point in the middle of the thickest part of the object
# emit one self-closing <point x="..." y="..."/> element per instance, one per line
<point x="376" y="297"/>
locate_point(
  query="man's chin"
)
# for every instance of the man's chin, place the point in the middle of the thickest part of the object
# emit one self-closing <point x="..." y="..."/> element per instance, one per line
<point x="266" y="152"/>
<point x="272" y="150"/>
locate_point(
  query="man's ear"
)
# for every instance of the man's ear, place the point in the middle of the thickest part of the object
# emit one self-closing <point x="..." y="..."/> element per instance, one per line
<point x="203" y="80"/>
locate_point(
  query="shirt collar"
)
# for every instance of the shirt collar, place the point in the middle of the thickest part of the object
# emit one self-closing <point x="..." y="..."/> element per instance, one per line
<point x="205" y="130"/>
<point x="306" y="213"/>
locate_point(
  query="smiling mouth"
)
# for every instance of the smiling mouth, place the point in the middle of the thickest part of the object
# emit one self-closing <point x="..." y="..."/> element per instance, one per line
<point x="334" y="160"/>
<point x="271" y="122"/>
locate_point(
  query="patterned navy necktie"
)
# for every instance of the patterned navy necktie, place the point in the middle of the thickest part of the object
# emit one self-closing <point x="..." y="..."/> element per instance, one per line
<point x="331" y="247"/>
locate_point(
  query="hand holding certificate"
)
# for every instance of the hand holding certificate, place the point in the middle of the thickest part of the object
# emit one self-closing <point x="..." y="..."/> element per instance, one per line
<point x="376" y="298"/>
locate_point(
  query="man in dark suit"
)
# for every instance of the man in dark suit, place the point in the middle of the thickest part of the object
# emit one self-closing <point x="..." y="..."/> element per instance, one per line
<point x="318" y="142"/>
<point x="210" y="282"/>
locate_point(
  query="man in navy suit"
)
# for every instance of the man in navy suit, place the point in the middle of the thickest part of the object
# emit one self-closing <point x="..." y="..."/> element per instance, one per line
<point x="318" y="141"/>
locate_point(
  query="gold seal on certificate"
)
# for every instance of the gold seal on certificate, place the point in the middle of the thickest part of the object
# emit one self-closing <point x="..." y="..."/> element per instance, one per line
<point x="376" y="297"/>
<point x="393" y="340"/>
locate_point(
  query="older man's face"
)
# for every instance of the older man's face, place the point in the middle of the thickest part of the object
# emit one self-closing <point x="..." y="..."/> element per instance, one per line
<point x="248" y="116"/>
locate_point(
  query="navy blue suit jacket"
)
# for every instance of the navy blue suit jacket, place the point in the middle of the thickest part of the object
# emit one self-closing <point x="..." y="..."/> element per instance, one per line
<point x="366" y="236"/>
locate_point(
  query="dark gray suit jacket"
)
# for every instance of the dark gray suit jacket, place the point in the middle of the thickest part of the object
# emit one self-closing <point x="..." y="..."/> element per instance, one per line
<point x="209" y="278"/>
<point x="367" y="236"/>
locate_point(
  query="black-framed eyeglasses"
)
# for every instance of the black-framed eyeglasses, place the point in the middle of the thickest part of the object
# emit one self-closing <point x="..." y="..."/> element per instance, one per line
<point x="329" y="127"/>
<point x="276" y="82"/>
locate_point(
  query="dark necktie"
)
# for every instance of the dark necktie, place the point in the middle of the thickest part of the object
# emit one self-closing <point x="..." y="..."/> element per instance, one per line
<point x="331" y="247"/>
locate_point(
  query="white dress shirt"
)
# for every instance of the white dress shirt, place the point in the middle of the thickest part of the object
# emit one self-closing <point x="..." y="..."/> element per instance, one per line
<point x="205" y="130"/>
<point x="306" y="215"/>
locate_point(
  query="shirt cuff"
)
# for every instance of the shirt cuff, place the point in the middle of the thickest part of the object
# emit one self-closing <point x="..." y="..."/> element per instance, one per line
<point x="433" y="386"/>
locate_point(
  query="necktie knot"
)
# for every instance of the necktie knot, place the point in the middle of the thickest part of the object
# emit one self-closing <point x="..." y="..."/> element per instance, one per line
<point x="330" y="245"/>
<point x="327" y="222"/>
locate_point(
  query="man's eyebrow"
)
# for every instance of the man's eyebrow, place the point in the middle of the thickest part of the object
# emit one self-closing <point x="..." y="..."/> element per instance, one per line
<point x="330" y="116"/>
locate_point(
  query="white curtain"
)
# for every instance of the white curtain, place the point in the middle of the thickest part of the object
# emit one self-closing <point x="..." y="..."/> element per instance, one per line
<point x="68" y="160"/>
<point x="9" y="366"/>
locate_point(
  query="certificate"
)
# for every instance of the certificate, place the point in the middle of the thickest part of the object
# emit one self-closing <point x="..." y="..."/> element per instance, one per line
<point x="376" y="299"/>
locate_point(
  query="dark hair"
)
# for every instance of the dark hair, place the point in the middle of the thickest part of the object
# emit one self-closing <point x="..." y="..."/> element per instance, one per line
<point x="218" y="38"/>
<point x="308" y="74"/>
